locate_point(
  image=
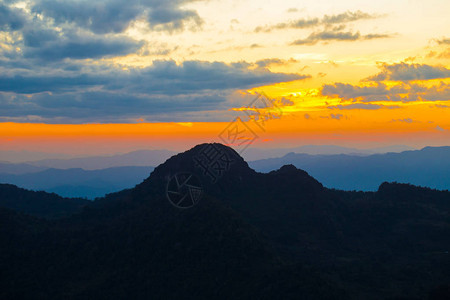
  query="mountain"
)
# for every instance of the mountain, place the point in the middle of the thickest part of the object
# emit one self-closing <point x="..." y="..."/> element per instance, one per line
<point x="21" y="168"/>
<point x="260" y="153"/>
<point x="40" y="204"/>
<point x="251" y="235"/>
<point x="427" y="167"/>
<point x="79" y="182"/>
<point x="143" y="158"/>
<point x="24" y="156"/>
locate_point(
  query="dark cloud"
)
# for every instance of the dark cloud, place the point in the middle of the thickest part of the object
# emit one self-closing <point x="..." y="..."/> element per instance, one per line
<point x="38" y="84"/>
<point x="103" y="106"/>
<point x="108" y="93"/>
<point x="39" y="38"/>
<point x="168" y="17"/>
<point x="163" y="77"/>
<point x="46" y="45"/>
<point x="11" y="18"/>
<point x="116" y="15"/>
<point x="407" y="72"/>
<point x="336" y="35"/>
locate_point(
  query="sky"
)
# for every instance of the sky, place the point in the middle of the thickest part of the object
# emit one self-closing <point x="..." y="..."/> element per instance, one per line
<point x="88" y="77"/>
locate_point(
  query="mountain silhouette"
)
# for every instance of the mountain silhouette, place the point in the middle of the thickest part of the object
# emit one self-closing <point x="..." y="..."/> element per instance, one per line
<point x="249" y="236"/>
<point x="426" y="167"/>
<point x="78" y="182"/>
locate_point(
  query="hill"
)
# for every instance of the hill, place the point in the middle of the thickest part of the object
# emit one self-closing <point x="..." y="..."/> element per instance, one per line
<point x="40" y="204"/>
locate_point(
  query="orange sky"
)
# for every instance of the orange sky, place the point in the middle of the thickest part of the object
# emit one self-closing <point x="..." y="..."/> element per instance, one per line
<point x="351" y="73"/>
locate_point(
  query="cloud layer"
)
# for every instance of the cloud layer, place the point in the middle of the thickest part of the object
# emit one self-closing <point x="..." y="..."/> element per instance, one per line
<point x="405" y="90"/>
<point x="109" y="93"/>
<point x="53" y="67"/>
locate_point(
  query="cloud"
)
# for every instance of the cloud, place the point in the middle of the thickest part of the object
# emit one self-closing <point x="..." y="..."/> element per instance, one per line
<point x="115" y="15"/>
<point x="326" y="20"/>
<point x="164" y="76"/>
<point x="406" y="120"/>
<point x="348" y="16"/>
<point x="350" y="92"/>
<point x="442" y="106"/>
<point x="273" y="61"/>
<point x="298" y="24"/>
<point x="373" y="89"/>
<point x="109" y="94"/>
<point x="33" y="36"/>
<point x="336" y="35"/>
<point x="368" y="106"/>
<point x="439" y="128"/>
<point x="11" y="18"/>
<point x="407" y="72"/>
<point x="46" y="45"/>
<point x="103" y="106"/>
<point x="380" y="92"/>
<point x="269" y="61"/>
<point x="336" y="116"/>
<point x="444" y="41"/>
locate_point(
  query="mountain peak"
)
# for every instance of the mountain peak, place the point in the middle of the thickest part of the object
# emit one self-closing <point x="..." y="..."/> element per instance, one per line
<point x="288" y="168"/>
<point x="211" y="162"/>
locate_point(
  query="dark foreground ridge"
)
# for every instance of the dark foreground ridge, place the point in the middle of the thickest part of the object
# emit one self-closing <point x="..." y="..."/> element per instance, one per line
<point x="251" y="236"/>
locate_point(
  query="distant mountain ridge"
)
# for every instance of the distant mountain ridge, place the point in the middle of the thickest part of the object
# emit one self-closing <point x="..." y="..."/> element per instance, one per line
<point x="252" y="153"/>
<point x="78" y="182"/>
<point x="143" y="158"/>
<point x="426" y="167"/>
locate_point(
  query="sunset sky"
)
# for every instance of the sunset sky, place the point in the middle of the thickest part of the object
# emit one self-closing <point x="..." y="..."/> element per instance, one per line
<point x="109" y="76"/>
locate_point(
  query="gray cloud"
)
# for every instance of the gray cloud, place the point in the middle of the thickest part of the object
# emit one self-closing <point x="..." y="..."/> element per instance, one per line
<point x="74" y="46"/>
<point x="336" y="35"/>
<point x="116" y="15"/>
<point x="268" y="61"/>
<point x="350" y="92"/>
<point x="326" y="20"/>
<point x="348" y="16"/>
<point x="103" y="106"/>
<point x="405" y="120"/>
<point x="444" y="41"/>
<point x="163" y="77"/>
<point x="336" y="116"/>
<point x="368" y="106"/>
<point x="39" y="38"/>
<point x="381" y="92"/>
<point x="109" y="93"/>
<point x="273" y="61"/>
<point x="11" y="18"/>
<point x="407" y="72"/>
